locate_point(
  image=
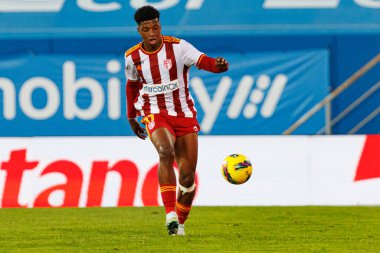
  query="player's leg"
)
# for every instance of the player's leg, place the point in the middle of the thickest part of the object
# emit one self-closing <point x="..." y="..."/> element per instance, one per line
<point x="186" y="152"/>
<point x="163" y="141"/>
<point x="162" y="136"/>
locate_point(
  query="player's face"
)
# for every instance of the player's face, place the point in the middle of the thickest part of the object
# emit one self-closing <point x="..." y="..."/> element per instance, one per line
<point x="150" y="32"/>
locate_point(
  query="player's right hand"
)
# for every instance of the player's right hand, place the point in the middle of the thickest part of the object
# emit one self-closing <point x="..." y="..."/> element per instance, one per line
<point x="137" y="129"/>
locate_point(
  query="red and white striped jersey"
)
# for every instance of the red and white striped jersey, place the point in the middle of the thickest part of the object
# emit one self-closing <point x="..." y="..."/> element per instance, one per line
<point x="163" y="77"/>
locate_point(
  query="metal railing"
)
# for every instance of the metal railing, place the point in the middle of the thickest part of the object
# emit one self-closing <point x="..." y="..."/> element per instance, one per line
<point x="327" y="100"/>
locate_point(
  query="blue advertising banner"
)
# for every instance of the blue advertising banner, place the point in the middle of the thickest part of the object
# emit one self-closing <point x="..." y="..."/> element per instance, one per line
<point x="56" y="95"/>
<point x="106" y="18"/>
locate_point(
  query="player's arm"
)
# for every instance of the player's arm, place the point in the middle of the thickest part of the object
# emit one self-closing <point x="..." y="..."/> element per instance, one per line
<point x="192" y="56"/>
<point x="132" y="91"/>
<point x="215" y="65"/>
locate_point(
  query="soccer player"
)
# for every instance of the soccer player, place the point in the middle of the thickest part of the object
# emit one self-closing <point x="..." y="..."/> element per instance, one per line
<point x="157" y="72"/>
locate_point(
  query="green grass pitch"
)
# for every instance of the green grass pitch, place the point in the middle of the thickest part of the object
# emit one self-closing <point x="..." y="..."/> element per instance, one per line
<point x="209" y="229"/>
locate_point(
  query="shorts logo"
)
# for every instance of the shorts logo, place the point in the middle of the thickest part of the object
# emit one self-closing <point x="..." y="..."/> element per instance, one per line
<point x="151" y="125"/>
<point x="168" y="64"/>
<point x="196" y="129"/>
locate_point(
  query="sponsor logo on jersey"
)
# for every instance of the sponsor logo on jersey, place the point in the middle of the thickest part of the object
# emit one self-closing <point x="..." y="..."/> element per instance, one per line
<point x="156" y="89"/>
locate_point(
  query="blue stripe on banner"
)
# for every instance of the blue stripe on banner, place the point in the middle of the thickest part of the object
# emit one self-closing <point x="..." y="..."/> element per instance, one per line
<point x="63" y="18"/>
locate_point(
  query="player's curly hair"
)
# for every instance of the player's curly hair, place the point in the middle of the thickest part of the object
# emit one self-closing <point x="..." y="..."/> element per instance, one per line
<point x="146" y="13"/>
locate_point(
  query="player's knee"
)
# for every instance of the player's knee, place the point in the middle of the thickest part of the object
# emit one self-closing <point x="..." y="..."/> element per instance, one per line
<point x="187" y="180"/>
<point x="166" y="152"/>
<point x="187" y="184"/>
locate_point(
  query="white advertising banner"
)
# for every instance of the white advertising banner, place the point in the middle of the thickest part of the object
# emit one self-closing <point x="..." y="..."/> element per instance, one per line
<point x="122" y="171"/>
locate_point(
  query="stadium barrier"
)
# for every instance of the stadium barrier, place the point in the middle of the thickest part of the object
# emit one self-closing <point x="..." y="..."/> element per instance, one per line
<point x="326" y="102"/>
<point x="122" y="171"/>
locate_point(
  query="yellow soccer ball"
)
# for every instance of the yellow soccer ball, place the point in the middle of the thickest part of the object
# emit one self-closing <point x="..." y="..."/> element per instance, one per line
<point x="236" y="169"/>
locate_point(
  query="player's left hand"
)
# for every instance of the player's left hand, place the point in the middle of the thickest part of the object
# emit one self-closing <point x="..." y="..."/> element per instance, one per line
<point x="137" y="129"/>
<point x="221" y="64"/>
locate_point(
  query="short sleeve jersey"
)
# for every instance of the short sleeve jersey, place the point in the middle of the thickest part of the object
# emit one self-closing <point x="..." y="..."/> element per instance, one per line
<point x="163" y="77"/>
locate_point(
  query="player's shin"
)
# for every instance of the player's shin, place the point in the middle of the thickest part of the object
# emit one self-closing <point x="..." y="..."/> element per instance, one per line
<point x="184" y="202"/>
<point x="168" y="195"/>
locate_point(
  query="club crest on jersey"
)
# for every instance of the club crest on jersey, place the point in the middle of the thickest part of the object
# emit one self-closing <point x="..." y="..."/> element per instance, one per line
<point x="168" y="64"/>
